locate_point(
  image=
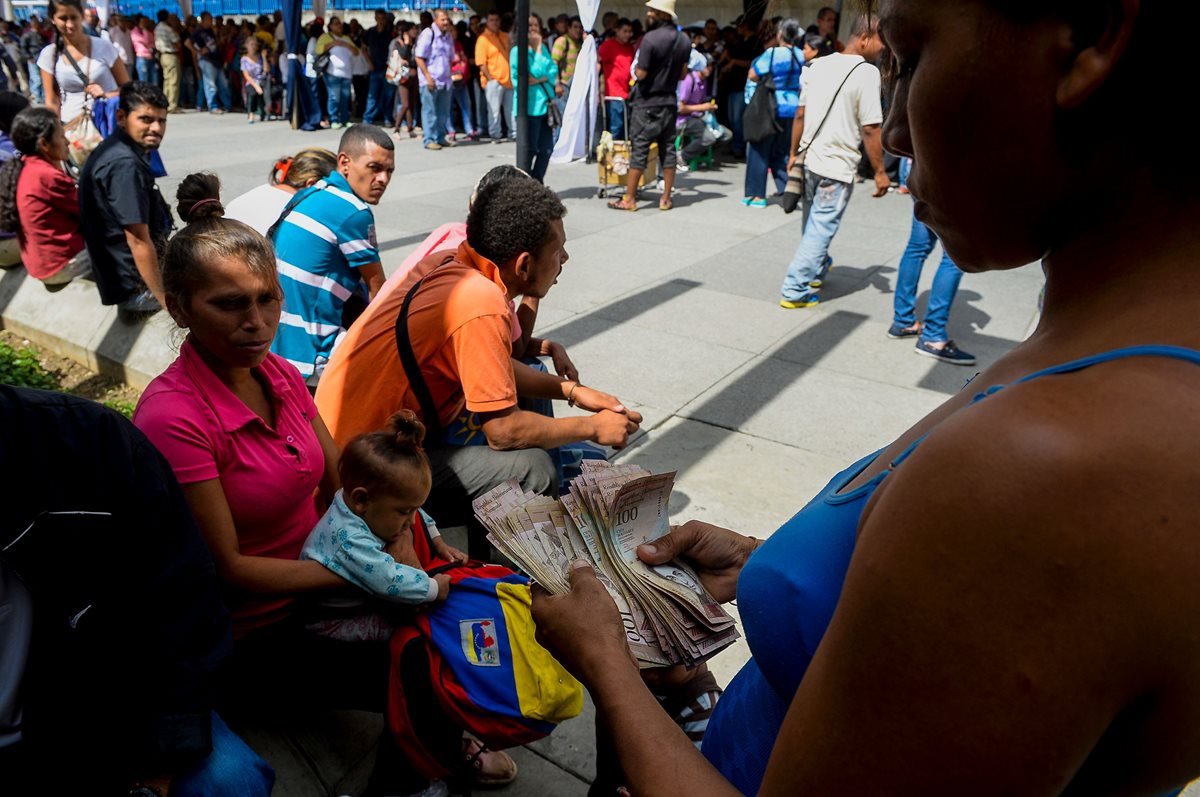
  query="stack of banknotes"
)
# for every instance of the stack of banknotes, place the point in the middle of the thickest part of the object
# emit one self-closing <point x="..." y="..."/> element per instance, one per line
<point x="610" y="510"/>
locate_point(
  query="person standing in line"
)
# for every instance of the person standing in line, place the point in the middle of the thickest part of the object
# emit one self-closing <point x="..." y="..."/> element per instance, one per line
<point x="565" y="53"/>
<point x="380" y="93"/>
<point x="405" y="94"/>
<point x="460" y="93"/>
<point x="208" y="52"/>
<point x="326" y="251"/>
<point x="826" y="28"/>
<point x="253" y="77"/>
<point x="784" y="62"/>
<point x="142" y="36"/>
<point x="315" y="85"/>
<point x="930" y="334"/>
<point x="434" y="51"/>
<point x="340" y="71"/>
<point x="166" y="41"/>
<point x="662" y="62"/>
<point x="735" y="70"/>
<point x="33" y="40"/>
<point x="119" y="26"/>
<point x="615" y="60"/>
<point x="542" y="75"/>
<point x="852" y="119"/>
<point x="67" y="91"/>
<point x="123" y="215"/>
<point x="495" y="76"/>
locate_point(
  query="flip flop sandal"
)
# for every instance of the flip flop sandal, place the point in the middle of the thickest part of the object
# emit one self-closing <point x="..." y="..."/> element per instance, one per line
<point x="665" y="205"/>
<point x="474" y="766"/>
<point x="620" y="204"/>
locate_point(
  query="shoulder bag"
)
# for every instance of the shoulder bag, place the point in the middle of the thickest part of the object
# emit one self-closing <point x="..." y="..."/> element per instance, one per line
<point x="82" y="134"/>
<point x="761" y="119"/>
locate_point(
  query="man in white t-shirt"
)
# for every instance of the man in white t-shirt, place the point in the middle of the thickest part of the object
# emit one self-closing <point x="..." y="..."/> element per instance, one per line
<point x="839" y="122"/>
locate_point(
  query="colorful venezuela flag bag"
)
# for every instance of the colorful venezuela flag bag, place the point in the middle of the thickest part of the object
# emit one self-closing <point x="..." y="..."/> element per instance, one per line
<point x="489" y="675"/>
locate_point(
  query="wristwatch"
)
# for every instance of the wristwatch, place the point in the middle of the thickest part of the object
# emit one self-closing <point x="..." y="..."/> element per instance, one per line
<point x="145" y="791"/>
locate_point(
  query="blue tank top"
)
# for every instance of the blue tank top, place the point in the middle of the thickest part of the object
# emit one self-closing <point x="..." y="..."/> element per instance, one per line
<point x="787" y="593"/>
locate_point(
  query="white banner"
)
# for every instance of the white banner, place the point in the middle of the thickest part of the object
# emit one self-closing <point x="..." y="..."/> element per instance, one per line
<point x="579" y="118"/>
<point x="185" y="9"/>
<point x="318" y="8"/>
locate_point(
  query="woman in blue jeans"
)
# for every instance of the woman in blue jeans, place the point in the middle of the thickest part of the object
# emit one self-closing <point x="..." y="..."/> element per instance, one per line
<point x="784" y="62"/>
<point x="543" y="74"/>
<point x="931" y="334"/>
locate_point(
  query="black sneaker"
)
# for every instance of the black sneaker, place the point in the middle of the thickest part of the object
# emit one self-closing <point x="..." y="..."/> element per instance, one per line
<point x="948" y="353"/>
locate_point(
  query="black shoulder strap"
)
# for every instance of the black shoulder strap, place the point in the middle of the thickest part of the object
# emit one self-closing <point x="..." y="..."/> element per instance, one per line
<point x="412" y="369"/>
<point x="75" y="65"/>
<point x="300" y="196"/>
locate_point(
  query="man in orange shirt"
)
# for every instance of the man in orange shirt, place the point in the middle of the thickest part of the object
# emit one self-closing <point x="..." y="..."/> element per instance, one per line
<point x="459" y="328"/>
<point x="491" y="56"/>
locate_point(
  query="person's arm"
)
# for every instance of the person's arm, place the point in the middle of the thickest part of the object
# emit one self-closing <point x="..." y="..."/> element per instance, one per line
<point x="331" y="480"/>
<point x="50" y="91"/>
<point x="481" y="55"/>
<point x="145" y="257"/>
<point x="527" y="312"/>
<point x="372" y="274"/>
<point x="358" y="557"/>
<point x="251" y="81"/>
<point x="797" y="135"/>
<point x="873" y="143"/>
<point x="256" y="574"/>
<point x="538" y="347"/>
<point x="120" y="75"/>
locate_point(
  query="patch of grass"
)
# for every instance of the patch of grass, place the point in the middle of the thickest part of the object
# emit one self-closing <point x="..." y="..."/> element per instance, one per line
<point x="124" y="407"/>
<point x="22" y="368"/>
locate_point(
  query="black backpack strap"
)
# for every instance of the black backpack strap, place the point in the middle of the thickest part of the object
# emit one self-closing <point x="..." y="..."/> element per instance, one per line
<point x="412" y="369"/>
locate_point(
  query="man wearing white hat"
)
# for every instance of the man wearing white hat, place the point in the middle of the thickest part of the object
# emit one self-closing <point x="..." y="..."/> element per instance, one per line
<point x="653" y="103"/>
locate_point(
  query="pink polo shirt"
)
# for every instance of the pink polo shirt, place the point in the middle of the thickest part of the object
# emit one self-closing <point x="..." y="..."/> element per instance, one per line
<point x="269" y="474"/>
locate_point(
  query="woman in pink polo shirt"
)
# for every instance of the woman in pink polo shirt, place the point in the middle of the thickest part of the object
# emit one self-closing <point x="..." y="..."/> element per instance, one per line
<point x="256" y="464"/>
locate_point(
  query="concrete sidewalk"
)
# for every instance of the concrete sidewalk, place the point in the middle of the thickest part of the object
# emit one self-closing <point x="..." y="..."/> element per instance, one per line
<point x="754" y="407"/>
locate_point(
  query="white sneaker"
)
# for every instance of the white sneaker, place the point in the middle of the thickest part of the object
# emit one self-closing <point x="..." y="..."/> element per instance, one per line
<point x="681" y="167"/>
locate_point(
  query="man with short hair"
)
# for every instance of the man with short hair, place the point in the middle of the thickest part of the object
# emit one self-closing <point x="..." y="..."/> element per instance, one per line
<point x="380" y="94"/>
<point x="662" y="62"/>
<point x="826" y="27"/>
<point x="434" y="50"/>
<point x="852" y="116"/>
<point x="166" y="41"/>
<point x="491" y="56"/>
<point x="608" y="23"/>
<point x="208" y="52"/>
<point x="565" y="53"/>
<point x="32" y="42"/>
<point x="123" y="214"/>
<point x="118" y="34"/>
<point x="615" y="58"/>
<point x="459" y="328"/>
<point x="91" y="22"/>
<point x="326" y="251"/>
<point x="340" y="72"/>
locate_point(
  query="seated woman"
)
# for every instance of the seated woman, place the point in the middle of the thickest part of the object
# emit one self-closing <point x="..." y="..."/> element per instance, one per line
<point x="260" y="207"/>
<point x="242" y="434"/>
<point x="39" y="202"/>
<point x="11" y="104"/>
<point x="1003" y="600"/>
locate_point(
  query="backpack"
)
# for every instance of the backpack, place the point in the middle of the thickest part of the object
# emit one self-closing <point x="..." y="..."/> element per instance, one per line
<point x="488" y="673"/>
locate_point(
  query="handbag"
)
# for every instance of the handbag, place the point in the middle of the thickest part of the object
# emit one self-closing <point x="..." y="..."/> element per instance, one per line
<point x="487" y="671"/>
<point x="82" y="134"/>
<point x="761" y="119"/>
<point x="397" y="69"/>
<point x="553" y="114"/>
<point x="795" y="176"/>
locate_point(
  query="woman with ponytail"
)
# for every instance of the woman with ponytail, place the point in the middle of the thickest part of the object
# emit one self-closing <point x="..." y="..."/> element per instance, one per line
<point x="77" y="68"/>
<point x="38" y="201"/>
<point x="260" y="207"/>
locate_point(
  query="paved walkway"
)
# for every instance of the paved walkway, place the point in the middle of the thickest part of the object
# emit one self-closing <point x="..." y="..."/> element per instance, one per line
<point x="754" y="406"/>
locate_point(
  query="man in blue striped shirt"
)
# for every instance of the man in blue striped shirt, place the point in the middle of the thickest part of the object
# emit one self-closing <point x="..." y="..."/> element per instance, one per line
<point x="326" y="251"/>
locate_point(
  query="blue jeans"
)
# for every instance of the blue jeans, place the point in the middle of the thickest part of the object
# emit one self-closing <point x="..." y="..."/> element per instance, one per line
<point x="828" y="204"/>
<point x="481" y="106"/>
<point x="905" y="168"/>
<point x="380" y="97"/>
<point x="232" y="769"/>
<point x="216" y="86"/>
<point x="35" y="83"/>
<point x="771" y="153"/>
<point x="945" y="285"/>
<point x="737" y="109"/>
<point x="147" y="70"/>
<point x="541" y="145"/>
<point x="435" y="112"/>
<point x="338" y="89"/>
<point x="460" y="96"/>
<point x="615" y="110"/>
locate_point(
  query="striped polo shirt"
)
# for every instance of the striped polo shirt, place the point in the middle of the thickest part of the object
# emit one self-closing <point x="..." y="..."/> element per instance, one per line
<point x="319" y="247"/>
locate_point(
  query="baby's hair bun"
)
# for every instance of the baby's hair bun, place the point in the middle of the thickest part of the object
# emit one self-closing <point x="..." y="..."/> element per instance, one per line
<point x="409" y="431"/>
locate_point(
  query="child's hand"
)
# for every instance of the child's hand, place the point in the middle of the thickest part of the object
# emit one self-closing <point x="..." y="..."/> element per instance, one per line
<point x="443" y="582"/>
<point x="401" y="549"/>
<point x="448" y="552"/>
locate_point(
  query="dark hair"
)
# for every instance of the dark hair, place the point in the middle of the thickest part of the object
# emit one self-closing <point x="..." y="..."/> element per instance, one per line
<point x="356" y="138"/>
<point x="30" y="127"/>
<point x="495" y="175"/>
<point x="623" y="21"/>
<point x="162" y="15"/>
<point x="208" y="237"/>
<point x="864" y="25"/>
<point x="511" y="217"/>
<point x="814" y="40"/>
<point x="369" y="460"/>
<point x="11" y="104"/>
<point x="790" y="32"/>
<point x="826" y="10"/>
<point x="137" y="93"/>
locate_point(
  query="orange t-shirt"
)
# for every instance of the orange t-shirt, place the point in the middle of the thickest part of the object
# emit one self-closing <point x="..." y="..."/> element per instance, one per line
<point x="461" y="335"/>
<point x="491" y="50"/>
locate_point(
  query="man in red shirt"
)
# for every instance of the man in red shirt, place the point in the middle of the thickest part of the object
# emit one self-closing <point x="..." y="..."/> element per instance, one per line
<point x="616" y="59"/>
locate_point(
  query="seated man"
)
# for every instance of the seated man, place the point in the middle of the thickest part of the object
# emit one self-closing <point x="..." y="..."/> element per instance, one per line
<point x="112" y="627"/>
<point x="459" y="327"/>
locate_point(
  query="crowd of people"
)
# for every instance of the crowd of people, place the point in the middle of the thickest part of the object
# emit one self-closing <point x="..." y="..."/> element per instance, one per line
<point x="998" y="601"/>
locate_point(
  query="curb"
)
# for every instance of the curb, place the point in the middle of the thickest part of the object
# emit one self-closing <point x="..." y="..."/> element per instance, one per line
<point x="72" y="323"/>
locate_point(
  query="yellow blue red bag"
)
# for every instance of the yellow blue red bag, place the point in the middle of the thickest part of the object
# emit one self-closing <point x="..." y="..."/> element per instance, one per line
<point x="488" y="673"/>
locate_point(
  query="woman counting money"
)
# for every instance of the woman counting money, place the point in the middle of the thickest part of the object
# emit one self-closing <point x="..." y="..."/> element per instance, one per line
<point x="1003" y="600"/>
